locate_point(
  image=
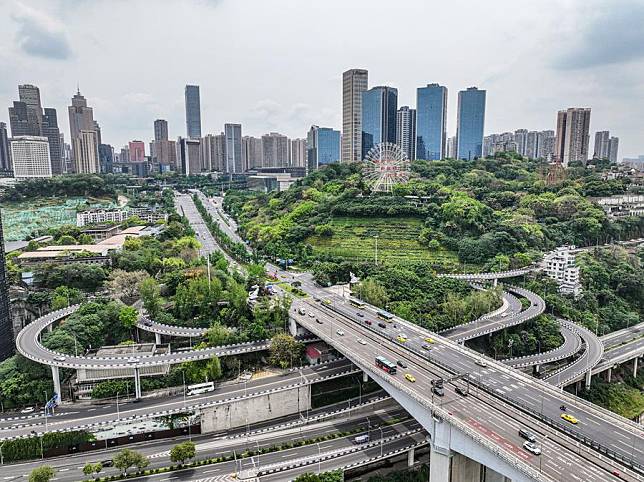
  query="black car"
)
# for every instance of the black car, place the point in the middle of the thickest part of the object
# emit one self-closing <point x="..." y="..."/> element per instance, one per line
<point x="107" y="463"/>
<point x="318" y="320"/>
<point x="401" y="364"/>
<point x="361" y="315"/>
<point x="381" y="324"/>
<point x="461" y="391"/>
<point x="438" y="390"/>
<point x="526" y="434"/>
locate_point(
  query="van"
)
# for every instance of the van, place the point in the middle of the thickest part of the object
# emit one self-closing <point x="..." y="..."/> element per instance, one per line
<point x="361" y="439"/>
<point x="529" y="436"/>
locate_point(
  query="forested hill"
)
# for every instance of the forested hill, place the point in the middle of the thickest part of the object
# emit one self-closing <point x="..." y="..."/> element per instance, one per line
<point x="492" y="213"/>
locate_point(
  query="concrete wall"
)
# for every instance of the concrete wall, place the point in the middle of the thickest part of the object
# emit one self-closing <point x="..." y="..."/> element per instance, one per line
<point x="238" y="413"/>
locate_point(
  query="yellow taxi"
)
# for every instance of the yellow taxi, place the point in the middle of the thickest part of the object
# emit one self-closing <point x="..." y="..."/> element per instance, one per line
<point x="401" y="339"/>
<point x="569" y="418"/>
<point x="430" y="340"/>
<point x="410" y="378"/>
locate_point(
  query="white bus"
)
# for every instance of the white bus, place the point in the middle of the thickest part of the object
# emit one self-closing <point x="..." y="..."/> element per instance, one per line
<point x="357" y="303"/>
<point x="200" y="388"/>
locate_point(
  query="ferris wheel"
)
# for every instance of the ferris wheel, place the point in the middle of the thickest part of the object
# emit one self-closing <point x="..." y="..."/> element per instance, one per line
<point x="386" y="164"/>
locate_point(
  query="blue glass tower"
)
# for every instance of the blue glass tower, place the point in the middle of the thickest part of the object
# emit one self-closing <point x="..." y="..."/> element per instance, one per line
<point x="193" y="112"/>
<point x="431" y="122"/>
<point x="470" y="123"/>
<point x="379" y="106"/>
<point x="322" y="147"/>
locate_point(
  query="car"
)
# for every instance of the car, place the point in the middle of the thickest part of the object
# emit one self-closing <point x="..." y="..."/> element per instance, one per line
<point x="361" y="341"/>
<point x="438" y="390"/>
<point x="107" y="463"/>
<point x="340" y="332"/>
<point x="315" y="298"/>
<point x="401" y="364"/>
<point x="311" y="314"/>
<point x="480" y="362"/>
<point x="147" y="322"/>
<point x="526" y="434"/>
<point x="461" y="391"/>
<point x="361" y="315"/>
<point x="382" y="325"/>
<point x="326" y="302"/>
<point x="569" y="418"/>
<point x="59" y="358"/>
<point x="401" y="338"/>
<point x="27" y="410"/>
<point x="133" y="360"/>
<point x="410" y="378"/>
<point x="425" y="346"/>
<point x="429" y="339"/>
<point x="317" y="320"/>
<point x="367" y="322"/>
<point x="532" y="447"/>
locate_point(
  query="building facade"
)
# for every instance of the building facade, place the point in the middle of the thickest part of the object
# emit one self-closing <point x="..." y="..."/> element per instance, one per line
<point x="406" y="131"/>
<point x="161" y="130"/>
<point x="137" y="151"/>
<point x="560" y="266"/>
<point x="379" y="107"/>
<point x="322" y="147"/>
<point x="572" y="138"/>
<point x="189" y="156"/>
<point x="431" y="122"/>
<point x="354" y="83"/>
<point x="30" y="157"/>
<point x="5" y="151"/>
<point x="252" y="152"/>
<point x="234" y="164"/>
<point x="297" y="154"/>
<point x="84" y="137"/>
<point x="470" y="123"/>
<point x="193" y="112"/>
<point x="275" y="149"/>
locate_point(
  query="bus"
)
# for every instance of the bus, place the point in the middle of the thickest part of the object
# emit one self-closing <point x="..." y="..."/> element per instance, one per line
<point x="357" y="303"/>
<point x="200" y="388"/>
<point x="385" y="315"/>
<point x="386" y="365"/>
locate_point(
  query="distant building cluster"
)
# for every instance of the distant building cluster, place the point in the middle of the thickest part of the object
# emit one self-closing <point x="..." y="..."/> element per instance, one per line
<point x="531" y="144"/>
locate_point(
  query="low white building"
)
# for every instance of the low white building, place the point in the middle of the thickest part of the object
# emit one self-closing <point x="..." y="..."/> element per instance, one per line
<point x="560" y="266"/>
<point x="101" y="216"/>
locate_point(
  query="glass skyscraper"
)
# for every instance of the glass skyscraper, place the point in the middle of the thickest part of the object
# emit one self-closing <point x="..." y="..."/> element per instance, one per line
<point x="322" y="147"/>
<point x="379" y="106"/>
<point x="233" y="133"/>
<point x="193" y="112"/>
<point x="431" y="122"/>
<point x="470" y="123"/>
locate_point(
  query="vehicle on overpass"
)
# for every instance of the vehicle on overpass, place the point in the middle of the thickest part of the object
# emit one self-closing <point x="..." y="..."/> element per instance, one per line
<point x="199" y="388"/>
<point x="385" y="315"/>
<point x="357" y="303"/>
<point x="386" y="365"/>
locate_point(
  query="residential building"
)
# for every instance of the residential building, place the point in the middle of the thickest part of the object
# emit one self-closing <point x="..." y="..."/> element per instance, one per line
<point x="297" y="153"/>
<point x="189" y="156"/>
<point x="193" y="112"/>
<point x="137" y="151"/>
<point x="521" y="140"/>
<point x="354" y="83"/>
<point x="322" y="147"/>
<point x="51" y="131"/>
<point x="160" y="130"/>
<point x="124" y="156"/>
<point x="84" y="137"/>
<point x="601" y="145"/>
<point x="379" y="106"/>
<point x="613" y="147"/>
<point x="5" y="151"/>
<point x="546" y="145"/>
<point x="406" y="131"/>
<point x="470" y="123"/>
<point x="105" y="157"/>
<point x="275" y="150"/>
<point x="164" y="153"/>
<point x="30" y="157"/>
<point x="571" y="141"/>
<point x="234" y="164"/>
<point x="532" y="145"/>
<point x="118" y="215"/>
<point x="431" y="122"/>
<point x="252" y="152"/>
<point x="560" y="266"/>
<point x="7" y="344"/>
<point x="213" y="152"/>
<point x="622" y="205"/>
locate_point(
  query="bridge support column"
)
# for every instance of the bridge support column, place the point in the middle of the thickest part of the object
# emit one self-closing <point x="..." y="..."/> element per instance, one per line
<point x="137" y="383"/>
<point x="496" y="282"/>
<point x="365" y="377"/>
<point x="609" y="374"/>
<point x="589" y="375"/>
<point x="50" y="327"/>
<point x="56" y="376"/>
<point x="157" y="338"/>
<point x="536" y="369"/>
<point x="410" y="457"/>
<point x="635" y="368"/>
<point x="465" y="469"/>
<point x="493" y="476"/>
<point x="439" y="464"/>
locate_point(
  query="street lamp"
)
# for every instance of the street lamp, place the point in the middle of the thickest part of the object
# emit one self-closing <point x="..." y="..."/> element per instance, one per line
<point x="118" y="414"/>
<point x="319" y="456"/>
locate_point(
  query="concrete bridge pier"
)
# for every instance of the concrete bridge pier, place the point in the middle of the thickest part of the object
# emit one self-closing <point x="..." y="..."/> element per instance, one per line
<point x="589" y="375"/>
<point x="465" y="469"/>
<point x="137" y="383"/>
<point x="157" y="338"/>
<point x="609" y="374"/>
<point x="410" y="457"/>
<point x="536" y="369"/>
<point x="635" y="367"/>
<point x="365" y="377"/>
<point x="495" y="282"/>
<point x="56" y="376"/>
<point x="490" y="475"/>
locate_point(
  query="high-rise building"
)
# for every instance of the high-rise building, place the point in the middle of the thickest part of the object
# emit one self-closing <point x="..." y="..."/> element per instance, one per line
<point x="193" y="112"/>
<point x="5" y="156"/>
<point x="470" y="123"/>
<point x="30" y="95"/>
<point x="601" y="145"/>
<point x="97" y="129"/>
<point x="322" y="147"/>
<point x="450" y="149"/>
<point x="213" y="152"/>
<point x="124" y="156"/>
<point x="297" y="153"/>
<point x="613" y="146"/>
<point x="7" y="345"/>
<point x="234" y="164"/>
<point x="571" y="141"/>
<point x="406" y="131"/>
<point x="51" y="131"/>
<point x="275" y="148"/>
<point x="106" y="157"/>
<point x="160" y="130"/>
<point x="252" y="152"/>
<point x="189" y="156"/>
<point x="545" y="145"/>
<point x="532" y="145"/>
<point x="30" y="157"/>
<point x="379" y="106"/>
<point x="22" y="121"/>
<point x="137" y="151"/>
<point x="521" y="140"/>
<point x="431" y="122"/>
<point x="84" y="137"/>
<point x="354" y="83"/>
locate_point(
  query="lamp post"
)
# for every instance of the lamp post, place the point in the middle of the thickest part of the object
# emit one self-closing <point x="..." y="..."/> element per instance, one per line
<point x="319" y="456"/>
<point x="118" y="414"/>
<point x="45" y="410"/>
<point x="381" y="441"/>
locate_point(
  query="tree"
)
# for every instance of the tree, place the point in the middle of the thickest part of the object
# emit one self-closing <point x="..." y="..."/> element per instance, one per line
<point x="127" y="458"/>
<point x="218" y="335"/>
<point x="285" y="350"/>
<point x="128" y="316"/>
<point x="182" y="452"/>
<point x="123" y="285"/>
<point x="91" y="469"/>
<point x="372" y="292"/>
<point x="64" y="296"/>
<point x="41" y="474"/>
<point x="151" y="296"/>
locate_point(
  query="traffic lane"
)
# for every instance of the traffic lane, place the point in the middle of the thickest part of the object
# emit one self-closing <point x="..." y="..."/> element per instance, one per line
<point x="467" y="410"/>
<point x="106" y="413"/>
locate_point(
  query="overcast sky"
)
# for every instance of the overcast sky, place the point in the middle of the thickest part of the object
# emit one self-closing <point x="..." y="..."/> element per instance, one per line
<point x="276" y="65"/>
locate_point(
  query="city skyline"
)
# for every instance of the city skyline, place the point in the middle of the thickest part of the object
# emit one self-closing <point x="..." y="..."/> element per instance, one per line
<point x="516" y="97"/>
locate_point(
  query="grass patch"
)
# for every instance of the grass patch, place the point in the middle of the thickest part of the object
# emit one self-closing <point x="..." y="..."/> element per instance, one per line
<point x="354" y="238"/>
<point x="297" y="292"/>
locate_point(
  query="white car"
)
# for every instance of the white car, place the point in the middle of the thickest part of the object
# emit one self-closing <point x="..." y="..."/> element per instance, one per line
<point x="27" y="410"/>
<point x="133" y="360"/>
<point x="340" y="332"/>
<point x="59" y="358"/>
<point x="311" y="314"/>
<point x="532" y="447"/>
<point x="361" y="341"/>
<point x="480" y="362"/>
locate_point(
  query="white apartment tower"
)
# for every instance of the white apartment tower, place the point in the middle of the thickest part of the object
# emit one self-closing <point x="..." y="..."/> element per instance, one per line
<point x="354" y="83"/>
